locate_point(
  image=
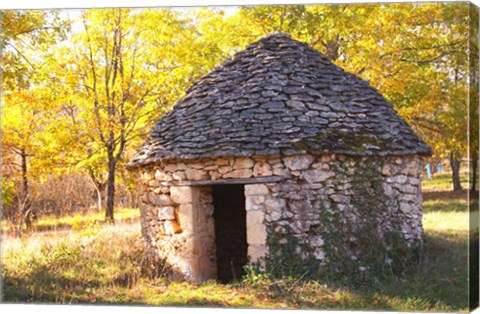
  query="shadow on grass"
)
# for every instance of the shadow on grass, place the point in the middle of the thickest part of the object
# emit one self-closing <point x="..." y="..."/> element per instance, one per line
<point x="444" y="195"/>
<point x="43" y="286"/>
<point x="441" y="276"/>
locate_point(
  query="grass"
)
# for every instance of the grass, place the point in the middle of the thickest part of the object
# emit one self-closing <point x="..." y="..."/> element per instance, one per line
<point x="443" y="181"/>
<point x="76" y="221"/>
<point x="88" y="262"/>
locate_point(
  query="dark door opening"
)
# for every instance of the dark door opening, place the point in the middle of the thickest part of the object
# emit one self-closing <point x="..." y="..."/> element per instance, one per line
<point x="230" y="231"/>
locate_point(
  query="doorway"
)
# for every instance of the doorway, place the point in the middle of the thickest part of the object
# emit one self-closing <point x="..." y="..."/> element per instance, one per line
<point x="230" y="231"/>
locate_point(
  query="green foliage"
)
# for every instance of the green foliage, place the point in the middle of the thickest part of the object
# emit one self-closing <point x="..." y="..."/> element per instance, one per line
<point x="357" y="254"/>
<point x="254" y="275"/>
<point x="289" y="258"/>
<point x="352" y="262"/>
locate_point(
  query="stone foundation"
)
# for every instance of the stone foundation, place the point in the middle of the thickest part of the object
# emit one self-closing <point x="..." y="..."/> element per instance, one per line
<point x="309" y="198"/>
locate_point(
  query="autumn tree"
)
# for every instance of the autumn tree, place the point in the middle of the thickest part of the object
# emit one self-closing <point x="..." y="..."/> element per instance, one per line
<point x="473" y="94"/>
<point x="119" y="74"/>
<point x="24" y="117"/>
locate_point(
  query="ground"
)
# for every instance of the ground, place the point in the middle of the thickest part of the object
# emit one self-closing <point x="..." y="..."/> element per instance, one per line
<point x="78" y="259"/>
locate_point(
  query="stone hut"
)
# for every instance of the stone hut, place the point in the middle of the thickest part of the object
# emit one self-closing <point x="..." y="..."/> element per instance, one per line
<point x="279" y="150"/>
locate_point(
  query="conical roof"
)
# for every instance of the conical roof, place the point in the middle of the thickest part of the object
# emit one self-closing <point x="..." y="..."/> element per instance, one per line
<point x="279" y="96"/>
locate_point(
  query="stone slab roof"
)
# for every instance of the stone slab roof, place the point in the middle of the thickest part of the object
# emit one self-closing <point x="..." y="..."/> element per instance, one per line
<point x="279" y="96"/>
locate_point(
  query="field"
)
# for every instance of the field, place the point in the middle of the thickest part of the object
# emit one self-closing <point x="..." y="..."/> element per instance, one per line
<point x="79" y="260"/>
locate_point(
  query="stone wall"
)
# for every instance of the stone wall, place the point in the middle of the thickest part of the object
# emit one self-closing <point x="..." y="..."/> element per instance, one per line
<point x="177" y="222"/>
<point x="317" y="197"/>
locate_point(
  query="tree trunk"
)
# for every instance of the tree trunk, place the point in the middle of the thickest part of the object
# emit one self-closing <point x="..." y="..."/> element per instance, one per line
<point x="100" y="189"/>
<point x="99" y="199"/>
<point x="26" y="211"/>
<point x="455" y="164"/>
<point x="110" y="188"/>
<point x="474" y="174"/>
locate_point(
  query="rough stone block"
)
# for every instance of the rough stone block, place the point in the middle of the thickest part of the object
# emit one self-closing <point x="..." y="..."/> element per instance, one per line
<point x="275" y="205"/>
<point x="388" y="190"/>
<point x="327" y="158"/>
<point x="221" y="162"/>
<point x="224" y="169"/>
<point x="257" y="254"/>
<point x="171" y="227"/>
<point x="316" y="176"/>
<point x="275" y="161"/>
<point x="280" y="171"/>
<point x="405" y="207"/>
<point x="196" y="174"/>
<point x="300" y="226"/>
<point x="316" y="241"/>
<point x="161" y="176"/>
<point x="239" y="174"/>
<point x="413" y="181"/>
<point x="243" y="163"/>
<point x="185" y="217"/>
<point x="253" y="200"/>
<point x="414" y="168"/>
<point x="300" y="206"/>
<point x="170" y="167"/>
<point x="256" y="189"/>
<point x="273" y="216"/>
<point x="196" y="165"/>
<point x="256" y="229"/>
<point x="179" y="175"/>
<point x="153" y="183"/>
<point x="404" y="188"/>
<point x="400" y="179"/>
<point x="214" y="175"/>
<point x="166" y="213"/>
<point x="147" y="176"/>
<point x="299" y="162"/>
<point x="160" y="200"/>
<point x="338" y="198"/>
<point x="145" y="208"/>
<point x="211" y="167"/>
<point x="262" y="169"/>
<point x="321" y="166"/>
<point x="184" y="194"/>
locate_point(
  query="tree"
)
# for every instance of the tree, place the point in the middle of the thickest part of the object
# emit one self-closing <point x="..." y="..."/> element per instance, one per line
<point x="118" y="75"/>
<point x="24" y="95"/>
<point x="473" y="95"/>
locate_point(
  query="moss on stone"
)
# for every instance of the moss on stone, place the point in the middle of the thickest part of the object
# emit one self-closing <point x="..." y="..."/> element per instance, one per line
<point x="334" y="139"/>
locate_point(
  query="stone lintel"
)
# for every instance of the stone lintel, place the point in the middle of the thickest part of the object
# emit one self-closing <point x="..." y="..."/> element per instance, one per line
<point x="268" y="179"/>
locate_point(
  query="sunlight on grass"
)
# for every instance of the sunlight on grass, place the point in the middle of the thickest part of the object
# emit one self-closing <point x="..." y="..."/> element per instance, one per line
<point x="449" y="214"/>
<point x="78" y="221"/>
<point x="443" y="182"/>
<point x="442" y="221"/>
<point x="80" y="218"/>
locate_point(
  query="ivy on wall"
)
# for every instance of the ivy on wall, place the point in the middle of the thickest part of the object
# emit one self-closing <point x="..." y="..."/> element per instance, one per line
<point x="362" y="245"/>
